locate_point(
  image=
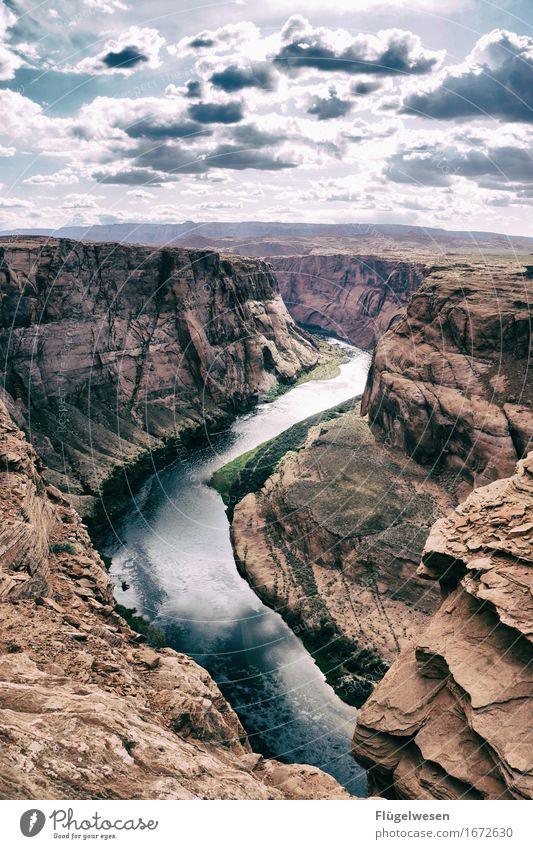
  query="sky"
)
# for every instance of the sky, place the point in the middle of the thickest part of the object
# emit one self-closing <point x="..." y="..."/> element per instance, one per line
<point x="414" y="112"/>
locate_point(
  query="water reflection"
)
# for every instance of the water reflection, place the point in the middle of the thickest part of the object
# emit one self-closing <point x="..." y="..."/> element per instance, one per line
<point x="175" y="556"/>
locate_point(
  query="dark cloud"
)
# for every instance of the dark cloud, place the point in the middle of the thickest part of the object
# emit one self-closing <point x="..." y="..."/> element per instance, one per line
<point x="420" y="169"/>
<point x="193" y="89"/>
<point x="400" y="54"/>
<point x="133" y="177"/>
<point x="326" y="108"/>
<point x="499" y="84"/>
<point x="234" y="158"/>
<point x="364" y="88"/>
<point x="234" y="78"/>
<point x="171" y="159"/>
<point x="128" y="57"/>
<point x="200" y="42"/>
<point x="435" y="167"/>
<point x="149" y="128"/>
<point x="216" y="113"/>
<point x="249" y="136"/>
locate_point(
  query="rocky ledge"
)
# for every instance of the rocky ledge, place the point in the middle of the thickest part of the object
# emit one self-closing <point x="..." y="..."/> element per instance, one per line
<point x="452" y="718"/>
<point x="332" y="540"/>
<point x="354" y="297"/>
<point x="449" y="383"/>
<point x="110" y="352"/>
<point x="87" y="711"/>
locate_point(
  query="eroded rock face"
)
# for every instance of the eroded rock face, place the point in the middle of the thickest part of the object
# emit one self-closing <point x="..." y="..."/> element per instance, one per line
<point x="452" y="718"/>
<point x="112" y="351"/>
<point x="450" y="383"/>
<point x="355" y="297"/>
<point x="87" y="710"/>
<point x="333" y="540"/>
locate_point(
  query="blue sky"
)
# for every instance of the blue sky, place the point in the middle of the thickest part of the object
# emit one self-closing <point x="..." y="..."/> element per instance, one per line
<point x="356" y="110"/>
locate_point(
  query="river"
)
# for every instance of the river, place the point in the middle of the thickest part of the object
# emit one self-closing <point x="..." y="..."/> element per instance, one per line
<point x="173" y="550"/>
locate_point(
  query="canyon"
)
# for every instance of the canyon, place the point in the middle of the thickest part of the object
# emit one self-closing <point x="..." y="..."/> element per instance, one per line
<point x="335" y="535"/>
<point x="87" y="710"/>
<point x="112" y="353"/>
<point x="354" y="297"/>
<point x="114" y="356"/>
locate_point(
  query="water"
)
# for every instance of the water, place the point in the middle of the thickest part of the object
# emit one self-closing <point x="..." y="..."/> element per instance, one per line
<point x="175" y="554"/>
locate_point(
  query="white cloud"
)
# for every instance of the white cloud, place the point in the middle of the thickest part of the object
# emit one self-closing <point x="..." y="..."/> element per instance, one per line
<point x="9" y="61"/>
<point x="108" y="7"/>
<point x="59" y="178"/>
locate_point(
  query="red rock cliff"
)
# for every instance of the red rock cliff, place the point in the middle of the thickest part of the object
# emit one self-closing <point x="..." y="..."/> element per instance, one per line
<point x="354" y="297"/>
<point x="109" y="351"/>
<point x="450" y="384"/>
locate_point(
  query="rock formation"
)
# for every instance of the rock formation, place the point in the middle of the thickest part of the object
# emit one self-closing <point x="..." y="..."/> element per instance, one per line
<point x="452" y="718"/>
<point x="86" y="709"/>
<point x="354" y="297"/>
<point x="332" y="541"/>
<point x="111" y="351"/>
<point x="449" y="383"/>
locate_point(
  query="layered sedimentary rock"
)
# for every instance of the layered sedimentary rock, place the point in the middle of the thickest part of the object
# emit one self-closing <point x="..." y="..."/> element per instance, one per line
<point x="333" y="540"/>
<point x="452" y="718"/>
<point x="355" y="297"/>
<point x="111" y="351"/>
<point x="86" y="709"/>
<point x="450" y="383"/>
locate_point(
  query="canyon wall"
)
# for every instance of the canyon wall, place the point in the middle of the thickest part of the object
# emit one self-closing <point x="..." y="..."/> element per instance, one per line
<point x="332" y="540"/>
<point x="449" y="383"/>
<point x="109" y="352"/>
<point x="354" y="297"/>
<point x="452" y="718"/>
<point x="87" y="709"/>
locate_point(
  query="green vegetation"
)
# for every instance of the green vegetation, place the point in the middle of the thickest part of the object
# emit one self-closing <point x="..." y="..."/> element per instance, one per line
<point x="62" y="548"/>
<point x="249" y="472"/>
<point x="329" y="359"/>
<point x="153" y="634"/>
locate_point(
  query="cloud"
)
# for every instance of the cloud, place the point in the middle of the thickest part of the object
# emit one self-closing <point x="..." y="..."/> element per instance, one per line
<point x="7" y="151"/>
<point x="152" y="128"/>
<point x="108" y="7"/>
<point x="133" y="177"/>
<point x="233" y="78"/>
<point x="436" y="166"/>
<point x="496" y="81"/>
<point x="390" y="53"/>
<point x="326" y="108"/>
<point x="64" y="177"/>
<point x="137" y="48"/>
<point x="216" y="113"/>
<point x="126" y="58"/>
<point x="249" y="135"/>
<point x="193" y="89"/>
<point x="9" y="60"/>
<point x="237" y="159"/>
<point x="223" y="39"/>
<point x="363" y="88"/>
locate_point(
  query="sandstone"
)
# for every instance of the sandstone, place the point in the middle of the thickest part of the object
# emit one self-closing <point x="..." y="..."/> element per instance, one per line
<point x="354" y="297"/>
<point x="89" y="722"/>
<point x="138" y="348"/>
<point x="472" y="737"/>
<point x="441" y="377"/>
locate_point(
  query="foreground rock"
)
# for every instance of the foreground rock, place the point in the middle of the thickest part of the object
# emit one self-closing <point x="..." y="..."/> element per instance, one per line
<point x="449" y="383"/>
<point x="332" y="541"/>
<point x="110" y="352"/>
<point x="355" y="297"/>
<point x="87" y="710"/>
<point x="452" y="718"/>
